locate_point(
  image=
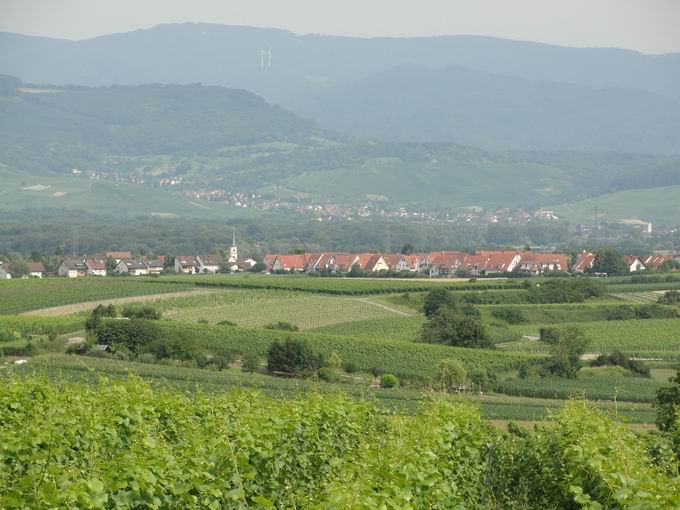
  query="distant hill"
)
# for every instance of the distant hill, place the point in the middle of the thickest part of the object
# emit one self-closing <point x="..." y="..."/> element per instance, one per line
<point x="492" y="111"/>
<point x="230" y="56"/>
<point x="53" y="127"/>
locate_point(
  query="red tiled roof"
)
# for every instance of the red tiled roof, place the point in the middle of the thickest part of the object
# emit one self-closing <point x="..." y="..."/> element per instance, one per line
<point x="95" y="264"/>
<point x="187" y="261"/>
<point x="583" y="262"/>
<point x="292" y="262"/>
<point x="35" y="267"/>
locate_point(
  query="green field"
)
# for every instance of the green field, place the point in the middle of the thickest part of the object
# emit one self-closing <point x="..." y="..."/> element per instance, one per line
<point x="658" y="205"/>
<point x="106" y="197"/>
<point x="18" y="296"/>
<point x="650" y="338"/>
<point x="252" y="308"/>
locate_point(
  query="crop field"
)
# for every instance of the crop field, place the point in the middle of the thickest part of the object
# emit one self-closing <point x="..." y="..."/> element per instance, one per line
<point x="395" y="328"/>
<point x="258" y="307"/>
<point x="654" y="338"/>
<point x="639" y="297"/>
<point x="351" y="286"/>
<point x="643" y="287"/>
<point x="608" y="387"/>
<point x="17" y="296"/>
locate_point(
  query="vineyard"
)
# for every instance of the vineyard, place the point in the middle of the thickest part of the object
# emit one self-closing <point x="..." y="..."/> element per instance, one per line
<point x="253" y="308"/>
<point x="17" y="296"/>
<point x="124" y="444"/>
<point x="404" y="359"/>
<point x="654" y="338"/>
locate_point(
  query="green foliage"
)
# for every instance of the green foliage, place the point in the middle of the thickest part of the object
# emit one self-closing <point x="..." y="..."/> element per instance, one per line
<point x="294" y="357"/>
<point x="670" y="297"/>
<point x="611" y="262"/>
<point x="667" y="403"/>
<point x="450" y="327"/>
<point x="566" y="290"/>
<point x="617" y="358"/>
<point x="282" y="325"/>
<point x="141" y="312"/>
<point x="436" y="299"/>
<point x="133" y="334"/>
<point x="584" y="460"/>
<point x="509" y="315"/>
<point x="389" y="381"/>
<point x="566" y="348"/>
<point x="250" y="362"/>
<point x="328" y="374"/>
<point x="449" y="375"/>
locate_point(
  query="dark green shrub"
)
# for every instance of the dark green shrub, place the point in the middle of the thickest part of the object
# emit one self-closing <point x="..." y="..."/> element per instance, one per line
<point x="133" y="333"/>
<point x="226" y="323"/>
<point x="617" y="358"/>
<point x="250" y="362"/>
<point x="293" y="357"/>
<point x="141" y="312"/>
<point x="509" y="315"/>
<point x="436" y="299"/>
<point x="281" y="325"/>
<point x="388" y="381"/>
<point x="328" y="374"/>
<point x="450" y="327"/>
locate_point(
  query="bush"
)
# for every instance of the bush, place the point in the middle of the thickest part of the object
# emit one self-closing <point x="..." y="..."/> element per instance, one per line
<point x="670" y="297"/>
<point x="349" y="366"/>
<point x="146" y="357"/>
<point x="141" y="312"/>
<point x="567" y="346"/>
<point x="281" y="325"/>
<point x="617" y="358"/>
<point x="178" y="346"/>
<point x="226" y="323"/>
<point x="293" y="357"/>
<point x="133" y="334"/>
<point x="328" y="374"/>
<point x="436" y="299"/>
<point x="250" y="362"/>
<point x="509" y="315"/>
<point x="450" y="374"/>
<point x="388" y="381"/>
<point x="450" y="327"/>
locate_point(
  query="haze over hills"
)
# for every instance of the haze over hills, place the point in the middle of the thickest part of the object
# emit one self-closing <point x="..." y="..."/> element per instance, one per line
<point x="230" y="56"/>
<point x="491" y="111"/>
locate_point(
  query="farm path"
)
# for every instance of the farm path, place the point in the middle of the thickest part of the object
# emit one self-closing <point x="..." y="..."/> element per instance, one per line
<point x="388" y="308"/>
<point x="55" y="311"/>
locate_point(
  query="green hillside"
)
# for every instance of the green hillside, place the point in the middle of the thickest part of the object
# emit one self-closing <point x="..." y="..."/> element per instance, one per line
<point x="19" y="191"/>
<point x="658" y="205"/>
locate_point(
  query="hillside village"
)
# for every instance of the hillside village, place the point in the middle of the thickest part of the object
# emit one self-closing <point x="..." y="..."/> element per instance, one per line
<point x="436" y="264"/>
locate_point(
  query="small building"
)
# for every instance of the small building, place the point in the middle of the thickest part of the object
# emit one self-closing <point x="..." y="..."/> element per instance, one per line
<point x="634" y="263"/>
<point x="294" y="263"/>
<point x="72" y="268"/>
<point x="583" y="263"/>
<point x="376" y="263"/>
<point x="186" y="264"/>
<point x="209" y="263"/>
<point x="35" y="269"/>
<point x="155" y="266"/>
<point x="117" y="255"/>
<point x="132" y="268"/>
<point x="95" y="267"/>
<point x="5" y="271"/>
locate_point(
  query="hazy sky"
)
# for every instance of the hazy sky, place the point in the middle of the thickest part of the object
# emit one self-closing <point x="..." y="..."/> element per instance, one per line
<point x="650" y="26"/>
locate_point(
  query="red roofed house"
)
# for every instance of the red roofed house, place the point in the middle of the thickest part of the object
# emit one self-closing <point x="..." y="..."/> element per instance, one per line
<point x="634" y="263"/>
<point x="376" y="263"/>
<point x="654" y="261"/>
<point x="269" y="261"/>
<point x="396" y="262"/>
<point x="444" y="263"/>
<point x="296" y="262"/>
<point x="117" y="255"/>
<point x="95" y="267"/>
<point x="584" y="261"/>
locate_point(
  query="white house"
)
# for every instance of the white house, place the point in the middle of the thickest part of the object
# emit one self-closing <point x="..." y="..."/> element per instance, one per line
<point x="186" y="264"/>
<point x="155" y="266"/>
<point x="35" y="269"/>
<point x="208" y="263"/>
<point x="5" y="271"/>
<point x="634" y="263"/>
<point x="72" y="268"/>
<point x="132" y="268"/>
<point x="95" y="267"/>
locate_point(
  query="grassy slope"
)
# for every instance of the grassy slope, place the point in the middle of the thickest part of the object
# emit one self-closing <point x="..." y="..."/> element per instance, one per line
<point x="104" y="197"/>
<point x="658" y="205"/>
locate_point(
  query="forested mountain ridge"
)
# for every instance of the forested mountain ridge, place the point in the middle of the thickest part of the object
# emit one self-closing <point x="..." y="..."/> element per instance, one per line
<point x="230" y="56"/>
<point x="496" y="112"/>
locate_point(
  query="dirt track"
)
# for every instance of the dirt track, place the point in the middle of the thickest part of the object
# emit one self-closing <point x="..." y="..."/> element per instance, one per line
<point x="55" y="311"/>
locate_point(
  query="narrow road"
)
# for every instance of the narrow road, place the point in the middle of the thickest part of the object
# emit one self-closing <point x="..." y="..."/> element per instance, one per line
<point x="388" y="308"/>
<point x="55" y="311"/>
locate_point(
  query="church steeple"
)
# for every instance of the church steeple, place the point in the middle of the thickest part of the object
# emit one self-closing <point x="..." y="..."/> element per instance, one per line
<point x="233" y="250"/>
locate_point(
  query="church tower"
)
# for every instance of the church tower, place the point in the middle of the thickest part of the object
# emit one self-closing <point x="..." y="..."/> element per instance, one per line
<point x="233" y="250"/>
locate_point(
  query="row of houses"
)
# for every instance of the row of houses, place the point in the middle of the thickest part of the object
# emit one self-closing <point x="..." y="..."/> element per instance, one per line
<point x="450" y="263"/>
<point x="441" y="263"/>
<point x="585" y="261"/>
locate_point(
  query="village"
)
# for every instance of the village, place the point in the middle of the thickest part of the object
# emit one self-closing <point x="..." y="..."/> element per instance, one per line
<point x="436" y="264"/>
